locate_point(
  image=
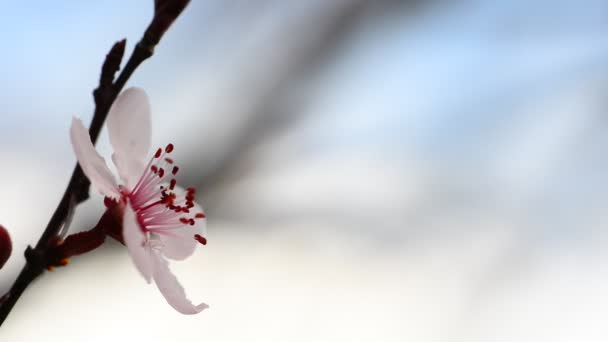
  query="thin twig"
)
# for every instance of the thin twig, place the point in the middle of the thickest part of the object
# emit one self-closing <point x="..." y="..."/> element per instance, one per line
<point x="77" y="191"/>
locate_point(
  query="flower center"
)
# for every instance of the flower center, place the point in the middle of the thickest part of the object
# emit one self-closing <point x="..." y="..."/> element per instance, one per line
<point x="157" y="206"/>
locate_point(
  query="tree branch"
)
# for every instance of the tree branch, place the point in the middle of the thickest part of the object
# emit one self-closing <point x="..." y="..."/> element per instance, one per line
<point x="77" y="191"/>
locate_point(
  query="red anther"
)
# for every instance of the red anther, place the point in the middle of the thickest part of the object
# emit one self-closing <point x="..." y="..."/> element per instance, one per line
<point x="172" y="183"/>
<point x="200" y="239"/>
<point x="169" y="160"/>
<point x="191" y="190"/>
<point x="161" y="172"/>
<point x="174" y="171"/>
<point x="158" y="152"/>
<point x="191" y="222"/>
<point x="169" y="148"/>
<point x="154" y="168"/>
<point x="199" y="215"/>
<point x="6" y="246"/>
<point x="184" y="220"/>
<point x="189" y="205"/>
<point x="178" y="209"/>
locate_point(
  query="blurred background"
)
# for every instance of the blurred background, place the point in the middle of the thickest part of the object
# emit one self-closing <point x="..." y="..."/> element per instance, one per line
<point x="372" y="170"/>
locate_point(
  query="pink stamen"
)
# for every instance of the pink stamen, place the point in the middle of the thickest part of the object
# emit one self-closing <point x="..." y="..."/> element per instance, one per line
<point x="157" y="207"/>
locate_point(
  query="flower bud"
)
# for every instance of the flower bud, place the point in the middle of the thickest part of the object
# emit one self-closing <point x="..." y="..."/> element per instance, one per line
<point x="6" y="246"/>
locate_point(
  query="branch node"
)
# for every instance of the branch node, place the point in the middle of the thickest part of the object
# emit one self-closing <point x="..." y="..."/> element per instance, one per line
<point x="110" y="66"/>
<point x="35" y="259"/>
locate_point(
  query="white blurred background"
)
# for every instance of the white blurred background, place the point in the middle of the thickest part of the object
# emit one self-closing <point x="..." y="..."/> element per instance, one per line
<point x="372" y="170"/>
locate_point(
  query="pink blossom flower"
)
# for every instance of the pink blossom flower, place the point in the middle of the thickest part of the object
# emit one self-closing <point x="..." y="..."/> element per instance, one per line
<point x="160" y="219"/>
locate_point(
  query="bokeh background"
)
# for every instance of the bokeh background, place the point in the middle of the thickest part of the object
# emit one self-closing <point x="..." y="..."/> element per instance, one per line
<point x="372" y="170"/>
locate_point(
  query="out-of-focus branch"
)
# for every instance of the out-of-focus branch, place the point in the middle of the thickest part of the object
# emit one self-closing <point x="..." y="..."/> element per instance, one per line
<point x="165" y="13"/>
<point x="335" y="23"/>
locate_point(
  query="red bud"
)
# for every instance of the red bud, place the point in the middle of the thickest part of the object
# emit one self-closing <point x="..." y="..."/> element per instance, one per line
<point x="6" y="246"/>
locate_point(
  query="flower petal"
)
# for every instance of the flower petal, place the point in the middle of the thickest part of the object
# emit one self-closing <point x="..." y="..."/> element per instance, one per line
<point x="129" y="128"/>
<point x="130" y="170"/>
<point x="180" y="244"/>
<point x="171" y="289"/>
<point x="135" y="240"/>
<point x="92" y="164"/>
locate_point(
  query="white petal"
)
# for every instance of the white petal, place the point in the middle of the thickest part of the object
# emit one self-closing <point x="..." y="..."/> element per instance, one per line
<point x="92" y="164"/>
<point x="135" y="241"/>
<point x="129" y="128"/>
<point x="180" y="244"/>
<point x="130" y="170"/>
<point x="171" y="289"/>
